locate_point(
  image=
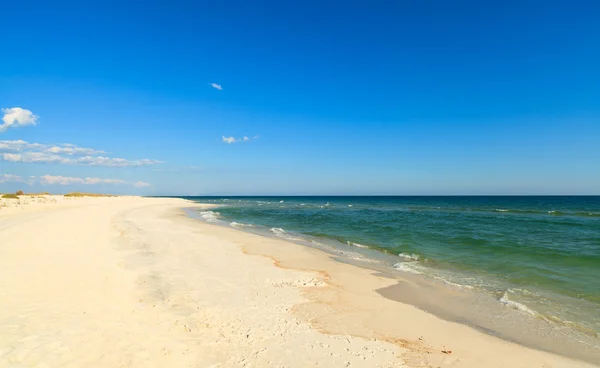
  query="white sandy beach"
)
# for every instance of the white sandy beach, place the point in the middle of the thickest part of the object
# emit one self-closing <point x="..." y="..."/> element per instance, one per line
<point x="133" y="282"/>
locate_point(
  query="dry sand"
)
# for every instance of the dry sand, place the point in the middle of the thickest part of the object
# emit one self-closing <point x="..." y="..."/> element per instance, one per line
<point x="134" y="282"/>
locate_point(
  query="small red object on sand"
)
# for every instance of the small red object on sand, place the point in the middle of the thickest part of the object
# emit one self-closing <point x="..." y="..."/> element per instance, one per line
<point x="447" y="351"/>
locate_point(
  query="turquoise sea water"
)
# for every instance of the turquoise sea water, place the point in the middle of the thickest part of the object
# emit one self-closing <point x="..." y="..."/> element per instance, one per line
<point x="538" y="255"/>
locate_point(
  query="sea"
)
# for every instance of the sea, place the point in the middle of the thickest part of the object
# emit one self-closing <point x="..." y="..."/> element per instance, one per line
<point x="537" y="257"/>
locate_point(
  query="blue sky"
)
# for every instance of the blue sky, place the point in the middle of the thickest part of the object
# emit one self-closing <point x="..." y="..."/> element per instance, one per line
<point x="335" y="97"/>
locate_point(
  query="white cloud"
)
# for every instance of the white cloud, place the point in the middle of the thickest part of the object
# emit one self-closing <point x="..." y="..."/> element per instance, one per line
<point x="13" y="157"/>
<point x="67" y="149"/>
<point x="18" y="145"/>
<point x="67" y="180"/>
<point x="114" y="162"/>
<point x="141" y="184"/>
<point x="73" y="150"/>
<point x="67" y="154"/>
<point x="230" y="140"/>
<point x="62" y="180"/>
<point x="16" y="116"/>
<point x="6" y="178"/>
<point x="216" y="86"/>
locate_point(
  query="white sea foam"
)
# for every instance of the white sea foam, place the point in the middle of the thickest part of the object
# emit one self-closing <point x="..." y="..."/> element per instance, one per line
<point x="209" y="216"/>
<point x="410" y="256"/>
<point x="414" y="267"/>
<point x="350" y="205"/>
<point x="501" y="210"/>
<point x="455" y="284"/>
<point x="327" y="204"/>
<point x="240" y="225"/>
<point x="283" y="234"/>
<point x="356" y="256"/>
<point x="522" y="291"/>
<point x="411" y="267"/>
<point x="277" y="231"/>
<point x="281" y="201"/>
<point x="515" y="305"/>
<point x="357" y="245"/>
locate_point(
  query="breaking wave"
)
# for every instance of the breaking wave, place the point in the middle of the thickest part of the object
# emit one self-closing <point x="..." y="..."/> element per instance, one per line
<point x="515" y="305"/>
<point x="357" y="245"/>
<point x="409" y="256"/>
<point x="209" y="216"/>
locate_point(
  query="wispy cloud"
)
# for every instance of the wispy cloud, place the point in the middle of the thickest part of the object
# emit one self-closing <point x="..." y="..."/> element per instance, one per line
<point x="231" y="140"/>
<point x="141" y="184"/>
<point x="72" y="150"/>
<point x="216" y="86"/>
<point x="19" y="145"/>
<point x="113" y="161"/>
<point x="65" y="148"/>
<point x="15" y="117"/>
<point x="68" y="180"/>
<point x="67" y="154"/>
<point x="10" y="178"/>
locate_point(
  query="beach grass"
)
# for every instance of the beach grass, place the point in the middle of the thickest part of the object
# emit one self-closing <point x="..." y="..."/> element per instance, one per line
<point x="81" y="194"/>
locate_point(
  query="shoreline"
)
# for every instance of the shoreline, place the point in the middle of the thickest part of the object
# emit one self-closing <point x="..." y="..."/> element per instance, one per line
<point x="487" y="316"/>
<point x="135" y="282"/>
